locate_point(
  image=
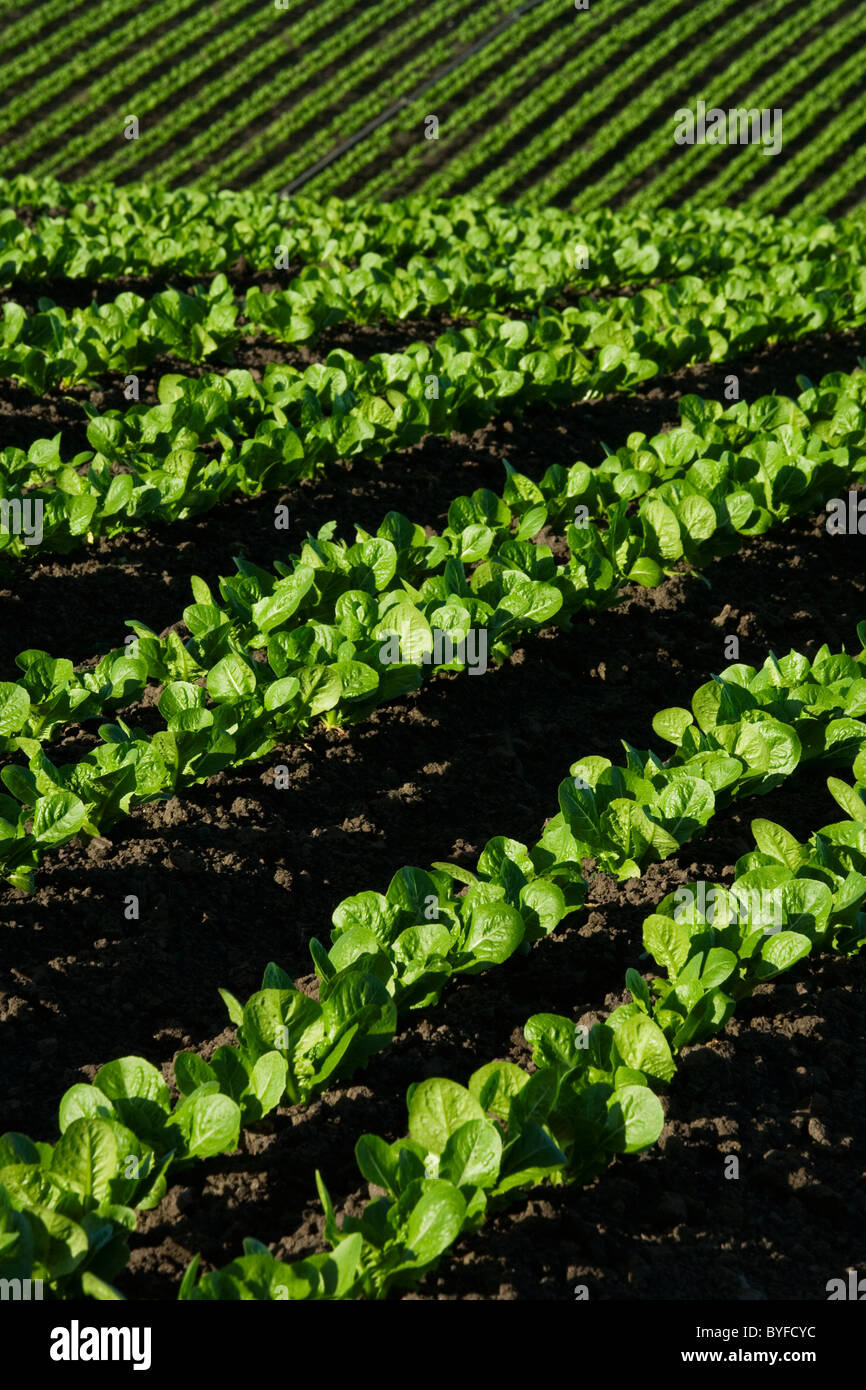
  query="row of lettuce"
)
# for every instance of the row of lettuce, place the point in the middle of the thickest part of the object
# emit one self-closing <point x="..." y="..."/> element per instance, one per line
<point x="67" y="1209"/>
<point x="627" y="98"/>
<point x="688" y="318"/>
<point x="482" y="527"/>
<point x="216" y="435"/>
<point x="344" y="628"/>
<point x="590" y="1096"/>
<point x="50" y="230"/>
<point x="58" y="347"/>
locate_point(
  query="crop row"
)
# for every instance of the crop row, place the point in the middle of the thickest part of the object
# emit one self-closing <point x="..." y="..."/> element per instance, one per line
<point x="55" y="117"/>
<point x="654" y="106"/>
<point x="365" y="45"/>
<point x="374" y="615"/>
<point x="549" y="146"/>
<point x="67" y="1208"/>
<point x="55" y="347"/>
<point x="848" y="175"/>
<point x="480" y="528"/>
<point x="498" y="139"/>
<point x="181" y="67"/>
<point x="827" y="420"/>
<point x="140" y="230"/>
<point x="26" y="28"/>
<point x="296" y="421"/>
<point x="840" y="88"/>
<point x="817" y="33"/>
<point x="40" y="52"/>
<point x="218" y="142"/>
<point x="501" y="143"/>
<point x="328" y="66"/>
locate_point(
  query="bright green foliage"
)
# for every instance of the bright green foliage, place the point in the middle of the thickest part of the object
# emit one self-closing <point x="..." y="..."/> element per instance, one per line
<point x="326" y="623"/>
<point x="94" y="231"/>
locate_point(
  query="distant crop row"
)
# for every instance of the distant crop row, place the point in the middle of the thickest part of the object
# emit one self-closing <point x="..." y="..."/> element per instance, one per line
<point x="68" y="50"/>
<point x="229" y="86"/>
<point x="774" y="179"/>
<point x="698" y="162"/>
<point x="484" y="133"/>
<point x="30" y="25"/>
<point x="43" y="100"/>
<point x="156" y="101"/>
<point x="521" y="50"/>
<point x="213" y="113"/>
<point x="245" y="94"/>
<point x="503" y="150"/>
<point x="402" y="59"/>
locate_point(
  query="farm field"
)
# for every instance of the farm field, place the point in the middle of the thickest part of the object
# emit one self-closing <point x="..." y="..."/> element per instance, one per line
<point x="432" y="656"/>
<point x="540" y="101"/>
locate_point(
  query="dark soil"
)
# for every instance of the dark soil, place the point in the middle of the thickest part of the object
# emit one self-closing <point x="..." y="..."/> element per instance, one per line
<point x="237" y="873"/>
<point x="79" y="294"/>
